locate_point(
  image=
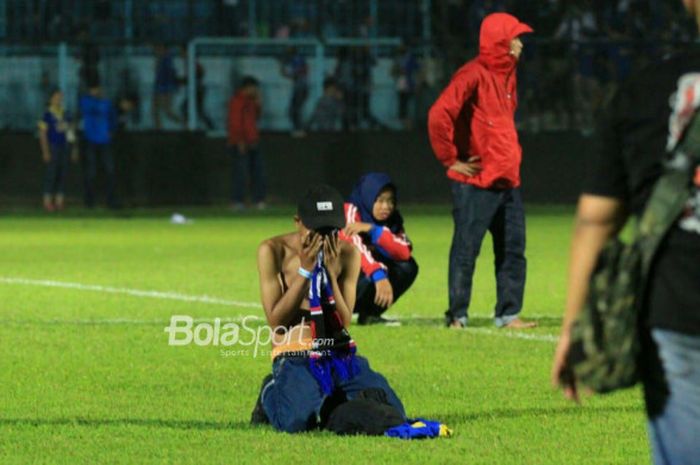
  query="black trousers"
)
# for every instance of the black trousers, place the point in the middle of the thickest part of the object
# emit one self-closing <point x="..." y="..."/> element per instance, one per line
<point x="103" y="152"/>
<point x="401" y="276"/>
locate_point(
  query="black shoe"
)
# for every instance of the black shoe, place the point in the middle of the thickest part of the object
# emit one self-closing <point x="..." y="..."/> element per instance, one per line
<point x="258" y="416"/>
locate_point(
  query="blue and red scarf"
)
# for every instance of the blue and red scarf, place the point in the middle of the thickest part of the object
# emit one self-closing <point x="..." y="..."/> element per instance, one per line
<point x="333" y="350"/>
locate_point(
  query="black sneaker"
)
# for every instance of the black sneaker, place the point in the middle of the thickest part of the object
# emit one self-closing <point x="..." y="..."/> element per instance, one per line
<point x="258" y="416"/>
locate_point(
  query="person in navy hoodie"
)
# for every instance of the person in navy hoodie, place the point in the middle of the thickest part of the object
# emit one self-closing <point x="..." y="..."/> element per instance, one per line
<point x="375" y="227"/>
<point x="56" y="139"/>
<point x="99" y="122"/>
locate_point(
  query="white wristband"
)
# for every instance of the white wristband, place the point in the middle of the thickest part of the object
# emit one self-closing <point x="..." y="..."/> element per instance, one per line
<point x="305" y="273"/>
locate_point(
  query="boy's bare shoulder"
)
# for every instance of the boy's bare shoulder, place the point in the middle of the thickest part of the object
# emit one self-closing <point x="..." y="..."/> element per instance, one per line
<point x="348" y="253"/>
<point x="348" y="249"/>
<point x="274" y="248"/>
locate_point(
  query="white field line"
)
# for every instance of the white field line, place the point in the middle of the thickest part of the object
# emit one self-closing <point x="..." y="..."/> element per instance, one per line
<point x="129" y="321"/>
<point x="514" y="335"/>
<point x="163" y="295"/>
<point x="169" y="295"/>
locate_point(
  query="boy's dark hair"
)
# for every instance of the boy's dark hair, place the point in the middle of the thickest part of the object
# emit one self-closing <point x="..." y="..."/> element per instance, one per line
<point x="248" y="81"/>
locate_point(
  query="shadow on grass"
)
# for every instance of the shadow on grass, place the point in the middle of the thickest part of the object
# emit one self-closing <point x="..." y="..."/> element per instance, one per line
<point x="450" y="419"/>
<point x="535" y="412"/>
<point x="147" y="422"/>
<point x="477" y="322"/>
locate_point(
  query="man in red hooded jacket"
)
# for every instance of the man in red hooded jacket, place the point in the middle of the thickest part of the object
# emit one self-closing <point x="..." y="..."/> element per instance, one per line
<point x="244" y="109"/>
<point x="472" y="132"/>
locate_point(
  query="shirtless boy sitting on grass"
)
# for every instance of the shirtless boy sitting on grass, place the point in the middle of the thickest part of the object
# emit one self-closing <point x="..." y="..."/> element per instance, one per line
<point x="307" y="284"/>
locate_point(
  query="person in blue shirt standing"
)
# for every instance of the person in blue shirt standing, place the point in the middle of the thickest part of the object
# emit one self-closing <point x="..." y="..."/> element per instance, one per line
<point x="99" y="122"/>
<point x="55" y="134"/>
<point x="164" y="88"/>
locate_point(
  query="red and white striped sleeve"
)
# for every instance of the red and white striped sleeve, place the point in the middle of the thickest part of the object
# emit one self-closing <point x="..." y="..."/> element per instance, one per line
<point x="370" y="267"/>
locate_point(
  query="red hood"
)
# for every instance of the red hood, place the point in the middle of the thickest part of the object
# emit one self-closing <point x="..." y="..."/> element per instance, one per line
<point x="497" y="30"/>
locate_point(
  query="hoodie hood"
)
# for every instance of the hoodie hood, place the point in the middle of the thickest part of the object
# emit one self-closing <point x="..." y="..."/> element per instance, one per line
<point x="497" y="30"/>
<point x="365" y="193"/>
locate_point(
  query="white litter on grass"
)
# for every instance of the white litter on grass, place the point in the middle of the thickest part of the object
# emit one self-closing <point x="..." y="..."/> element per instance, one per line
<point x="179" y="218"/>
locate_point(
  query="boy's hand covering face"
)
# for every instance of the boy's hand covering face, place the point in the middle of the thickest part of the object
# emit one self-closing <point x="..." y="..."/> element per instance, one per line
<point x="311" y="244"/>
<point x="331" y="251"/>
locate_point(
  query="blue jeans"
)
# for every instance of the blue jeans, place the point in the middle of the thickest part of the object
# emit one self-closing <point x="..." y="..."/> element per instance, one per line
<point x="476" y="211"/>
<point x="104" y="153"/>
<point x="56" y="168"/>
<point x="252" y="164"/>
<point x="292" y="400"/>
<point x="672" y="395"/>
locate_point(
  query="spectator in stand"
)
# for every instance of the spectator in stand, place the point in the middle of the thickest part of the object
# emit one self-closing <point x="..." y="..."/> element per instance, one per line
<point x="200" y="92"/>
<point x="128" y="100"/>
<point x="89" y="60"/>
<point x="344" y="76"/>
<point x="362" y="70"/>
<point x="165" y="86"/>
<point x="99" y="122"/>
<point x="244" y="109"/>
<point x="375" y="228"/>
<point x="578" y="26"/>
<point x="328" y="114"/>
<point x="405" y="72"/>
<point x="55" y="136"/>
<point x="294" y="67"/>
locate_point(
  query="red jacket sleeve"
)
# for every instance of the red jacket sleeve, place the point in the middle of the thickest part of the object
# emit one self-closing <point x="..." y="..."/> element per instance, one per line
<point x="444" y="113"/>
<point x="395" y="246"/>
<point x="370" y="267"/>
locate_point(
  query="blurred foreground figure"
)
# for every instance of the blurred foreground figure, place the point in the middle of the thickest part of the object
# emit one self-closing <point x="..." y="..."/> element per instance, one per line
<point x="472" y="131"/>
<point x="633" y="140"/>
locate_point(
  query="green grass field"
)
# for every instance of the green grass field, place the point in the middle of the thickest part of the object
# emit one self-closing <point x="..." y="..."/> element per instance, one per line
<point x="87" y="375"/>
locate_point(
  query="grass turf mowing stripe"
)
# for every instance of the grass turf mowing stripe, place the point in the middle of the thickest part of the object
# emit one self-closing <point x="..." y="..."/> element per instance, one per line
<point x="155" y="322"/>
<point x="168" y="295"/>
<point x="172" y="295"/>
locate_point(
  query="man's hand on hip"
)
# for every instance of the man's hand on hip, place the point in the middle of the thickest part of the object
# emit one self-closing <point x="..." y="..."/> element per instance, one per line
<point x="471" y="167"/>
